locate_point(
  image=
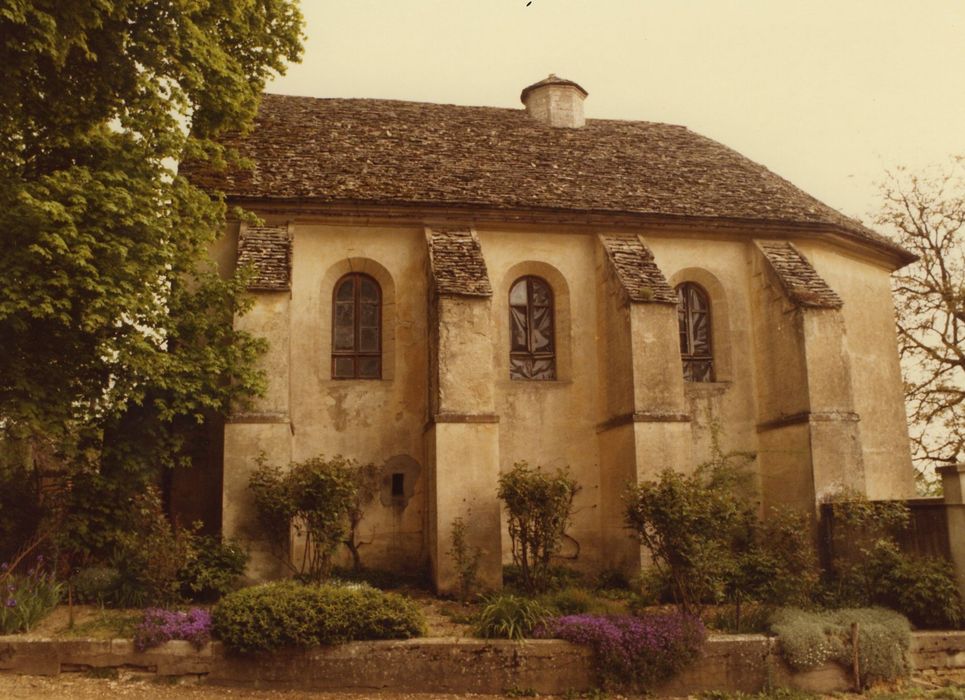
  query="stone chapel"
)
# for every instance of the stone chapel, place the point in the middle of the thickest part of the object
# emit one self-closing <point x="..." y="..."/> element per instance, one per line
<point x="447" y="290"/>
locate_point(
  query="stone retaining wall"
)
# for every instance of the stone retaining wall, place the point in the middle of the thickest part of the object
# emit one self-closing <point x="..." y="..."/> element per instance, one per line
<point x="747" y="663"/>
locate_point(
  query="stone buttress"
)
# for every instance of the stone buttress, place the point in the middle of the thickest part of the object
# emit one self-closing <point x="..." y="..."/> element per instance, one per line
<point x="808" y="430"/>
<point x="462" y="431"/>
<point x="644" y="426"/>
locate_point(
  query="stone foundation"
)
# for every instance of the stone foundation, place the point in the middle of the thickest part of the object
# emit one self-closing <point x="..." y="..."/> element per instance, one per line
<point x="745" y="663"/>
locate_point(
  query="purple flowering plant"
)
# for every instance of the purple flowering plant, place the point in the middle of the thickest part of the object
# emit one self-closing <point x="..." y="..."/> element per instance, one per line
<point x="632" y="651"/>
<point x="25" y="599"/>
<point x="159" y="626"/>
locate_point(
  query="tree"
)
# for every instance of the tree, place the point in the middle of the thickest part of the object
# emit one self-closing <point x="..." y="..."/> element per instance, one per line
<point x="116" y="335"/>
<point x="927" y="211"/>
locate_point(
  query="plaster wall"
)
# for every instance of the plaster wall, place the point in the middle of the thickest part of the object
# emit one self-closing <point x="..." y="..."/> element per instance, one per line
<point x="244" y="442"/>
<point x="869" y="316"/>
<point x="614" y="359"/>
<point x="551" y="423"/>
<point x="723" y="269"/>
<point x="463" y="441"/>
<point x="379" y="421"/>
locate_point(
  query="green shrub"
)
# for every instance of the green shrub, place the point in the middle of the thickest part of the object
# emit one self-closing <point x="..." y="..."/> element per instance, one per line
<point x="214" y="570"/>
<point x="809" y="639"/>
<point x="318" y="499"/>
<point x="510" y="617"/>
<point x="921" y="588"/>
<point x="150" y="555"/>
<point x="869" y="567"/>
<point x="538" y="508"/>
<point x="287" y="614"/>
<point x="708" y="543"/>
<point x="96" y="585"/>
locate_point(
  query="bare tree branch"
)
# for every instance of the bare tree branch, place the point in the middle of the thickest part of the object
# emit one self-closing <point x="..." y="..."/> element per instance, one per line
<point x="926" y="213"/>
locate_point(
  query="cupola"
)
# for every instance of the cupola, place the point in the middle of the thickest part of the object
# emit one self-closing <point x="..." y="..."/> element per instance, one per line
<point x="555" y="102"/>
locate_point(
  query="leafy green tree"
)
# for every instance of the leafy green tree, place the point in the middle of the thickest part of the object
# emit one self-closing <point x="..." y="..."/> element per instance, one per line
<point x="116" y="337"/>
<point x="926" y="211"/>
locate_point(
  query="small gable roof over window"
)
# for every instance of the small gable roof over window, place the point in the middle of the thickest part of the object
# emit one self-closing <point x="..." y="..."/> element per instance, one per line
<point x="458" y="266"/>
<point x="385" y="152"/>
<point x="801" y="282"/>
<point x="268" y="250"/>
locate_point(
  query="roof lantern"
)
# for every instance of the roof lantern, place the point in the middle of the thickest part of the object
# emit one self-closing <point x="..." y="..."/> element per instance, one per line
<point x="555" y="102"/>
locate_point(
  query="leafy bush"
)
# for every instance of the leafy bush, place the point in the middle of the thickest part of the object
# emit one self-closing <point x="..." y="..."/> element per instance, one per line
<point x="287" y="614"/>
<point x="317" y="499"/>
<point x="96" y="585"/>
<point x="708" y="543"/>
<point x="869" y="567"/>
<point x="634" y="651"/>
<point x="150" y="556"/>
<point x="26" y="599"/>
<point x="921" y="588"/>
<point x="465" y="557"/>
<point x="510" y="617"/>
<point x="214" y="570"/>
<point x="538" y="508"/>
<point x="159" y="626"/>
<point x="809" y="639"/>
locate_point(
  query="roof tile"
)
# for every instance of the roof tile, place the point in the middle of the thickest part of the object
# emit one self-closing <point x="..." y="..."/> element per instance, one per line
<point x="457" y="264"/>
<point x="636" y="269"/>
<point x="801" y="282"/>
<point x="268" y="249"/>
<point x="389" y="152"/>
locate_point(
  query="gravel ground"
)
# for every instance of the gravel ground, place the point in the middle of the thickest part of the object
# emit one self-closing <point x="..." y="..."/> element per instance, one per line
<point x="70" y="687"/>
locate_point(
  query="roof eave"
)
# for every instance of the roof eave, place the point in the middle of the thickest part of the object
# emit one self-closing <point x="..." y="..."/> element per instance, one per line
<point x="420" y="212"/>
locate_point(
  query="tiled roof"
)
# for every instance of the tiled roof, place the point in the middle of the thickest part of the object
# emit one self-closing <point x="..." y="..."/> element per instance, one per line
<point x="268" y="249"/>
<point x="801" y="282"/>
<point x="551" y="80"/>
<point x="457" y="264"/>
<point x="635" y="267"/>
<point x="386" y="152"/>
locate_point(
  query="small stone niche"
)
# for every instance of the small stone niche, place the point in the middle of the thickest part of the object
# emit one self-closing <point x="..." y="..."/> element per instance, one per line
<point x="399" y="475"/>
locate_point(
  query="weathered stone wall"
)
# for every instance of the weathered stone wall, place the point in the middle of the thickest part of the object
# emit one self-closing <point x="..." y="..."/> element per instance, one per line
<point x="869" y="316"/>
<point x="736" y="663"/>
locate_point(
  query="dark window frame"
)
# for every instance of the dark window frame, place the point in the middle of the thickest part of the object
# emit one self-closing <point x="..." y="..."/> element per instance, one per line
<point x="695" y="364"/>
<point x="530" y="354"/>
<point x="355" y="353"/>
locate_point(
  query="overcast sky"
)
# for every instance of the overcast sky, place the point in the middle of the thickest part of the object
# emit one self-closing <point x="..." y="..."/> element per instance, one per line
<point x="828" y="94"/>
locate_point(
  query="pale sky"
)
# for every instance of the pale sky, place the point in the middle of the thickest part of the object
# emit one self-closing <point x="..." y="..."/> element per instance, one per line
<point x="828" y="94"/>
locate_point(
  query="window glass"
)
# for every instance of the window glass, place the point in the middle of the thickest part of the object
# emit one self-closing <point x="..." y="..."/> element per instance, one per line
<point x="357" y="328"/>
<point x="531" y="329"/>
<point x="693" y="317"/>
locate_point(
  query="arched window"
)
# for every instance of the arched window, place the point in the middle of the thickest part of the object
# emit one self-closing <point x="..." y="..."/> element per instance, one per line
<point x="693" y="315"/>
<point x="357" y="328"/>
<point x="532" y="348"/>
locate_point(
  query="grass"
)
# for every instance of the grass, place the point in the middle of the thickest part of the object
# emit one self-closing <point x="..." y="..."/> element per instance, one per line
<point x="107" y="624"/>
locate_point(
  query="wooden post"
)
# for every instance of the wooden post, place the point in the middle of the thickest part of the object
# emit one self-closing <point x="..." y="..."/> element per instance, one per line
<point x="953" y="486"/>
<point x="855" y="656"/>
